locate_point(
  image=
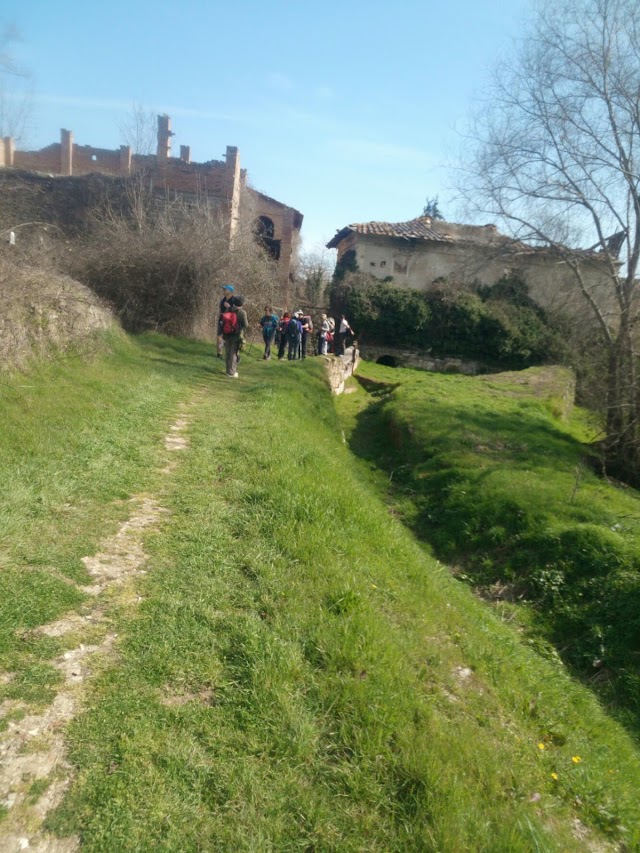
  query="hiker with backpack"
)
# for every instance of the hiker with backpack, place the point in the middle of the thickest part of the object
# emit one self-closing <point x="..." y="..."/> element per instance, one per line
<point x="225" y="305"/>
<point x="294" y="336"/>
<point x="268" y="324"/>
<point x="282" y="334"/>
<point x="234" y="323"/>
<point x="307" y="330"/>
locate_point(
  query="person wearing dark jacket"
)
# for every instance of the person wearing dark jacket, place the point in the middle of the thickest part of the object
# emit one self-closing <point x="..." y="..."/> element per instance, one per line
<point x="282" y="335"/>
<point x="294" y="335"/>
<point x="233" y="334"/>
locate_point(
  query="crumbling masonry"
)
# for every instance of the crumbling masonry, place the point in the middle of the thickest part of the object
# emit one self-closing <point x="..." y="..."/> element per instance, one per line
<point x="222" y="182"/>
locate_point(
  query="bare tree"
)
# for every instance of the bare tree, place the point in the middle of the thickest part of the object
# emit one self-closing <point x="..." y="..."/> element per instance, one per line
<point x="160" y="260"/>
<point x="16" y="87"/>
<point x="139" y="129"/>
<point x="555" y="153"/>
<point x="313" y="274"/>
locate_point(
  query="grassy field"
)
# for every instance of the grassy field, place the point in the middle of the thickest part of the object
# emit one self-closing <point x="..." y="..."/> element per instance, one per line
<point x="508" y="491"/>
<point x="300" y="674"/>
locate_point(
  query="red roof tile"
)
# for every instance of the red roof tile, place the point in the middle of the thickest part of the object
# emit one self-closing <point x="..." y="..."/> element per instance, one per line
<point x="422" y="228"/>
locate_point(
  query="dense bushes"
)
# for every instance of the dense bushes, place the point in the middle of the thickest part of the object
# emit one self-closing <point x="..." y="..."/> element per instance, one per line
<point x="500" y="325"/>
<point x="160" y="263"/>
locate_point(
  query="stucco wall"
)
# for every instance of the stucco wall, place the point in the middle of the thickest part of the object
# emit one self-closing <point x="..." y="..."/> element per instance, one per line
<point x="413" y="264"/>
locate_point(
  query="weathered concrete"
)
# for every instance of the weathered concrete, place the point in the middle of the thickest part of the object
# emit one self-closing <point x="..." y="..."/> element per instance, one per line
<point x="340" y="368"/>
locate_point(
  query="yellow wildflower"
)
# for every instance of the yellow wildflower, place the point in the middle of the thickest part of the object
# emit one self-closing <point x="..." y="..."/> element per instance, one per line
<point x="576" y="759"/>
<point x="554" y="776"/>
<point x="540" y="746"/>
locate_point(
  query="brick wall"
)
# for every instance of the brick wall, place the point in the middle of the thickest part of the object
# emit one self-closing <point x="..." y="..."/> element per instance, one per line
<point x="221" y="181"/>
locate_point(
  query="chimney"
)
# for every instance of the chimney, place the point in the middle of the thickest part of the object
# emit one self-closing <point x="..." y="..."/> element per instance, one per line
<point x="164" y="138"/>
<point x="66" y="152"/>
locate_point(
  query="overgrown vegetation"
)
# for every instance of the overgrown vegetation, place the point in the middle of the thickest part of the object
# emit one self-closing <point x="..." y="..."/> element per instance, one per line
<point x="500" y="325"/>
<point x="491" y="475"/>
<point x="554" y="154"/>
<point x="161" y="262"/>
<point x="45" y="314"/>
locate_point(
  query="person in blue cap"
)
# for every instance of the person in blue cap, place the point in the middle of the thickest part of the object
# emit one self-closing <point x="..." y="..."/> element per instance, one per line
<point x="225" y="305"/>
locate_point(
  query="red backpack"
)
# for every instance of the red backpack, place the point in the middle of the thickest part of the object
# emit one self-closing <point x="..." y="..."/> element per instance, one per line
<point x="229" y="323"/>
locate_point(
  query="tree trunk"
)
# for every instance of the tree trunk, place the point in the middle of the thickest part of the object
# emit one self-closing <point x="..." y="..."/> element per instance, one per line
<point x="622" y="443"/>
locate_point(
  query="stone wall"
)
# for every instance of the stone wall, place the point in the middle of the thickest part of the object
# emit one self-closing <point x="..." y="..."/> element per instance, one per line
<point x="419" y="264"/>
<point x="397" y="357"/>
<point x="29" y="197"/>
<point x="340" y="368"/>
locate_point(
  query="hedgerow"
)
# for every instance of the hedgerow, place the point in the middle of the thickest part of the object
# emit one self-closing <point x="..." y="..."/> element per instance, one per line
<point x="499" y="325"/>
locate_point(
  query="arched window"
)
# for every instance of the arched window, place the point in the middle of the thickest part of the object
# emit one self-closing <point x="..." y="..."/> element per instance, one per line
<point x="264" y="230"/>
<point x="265" y="227"/>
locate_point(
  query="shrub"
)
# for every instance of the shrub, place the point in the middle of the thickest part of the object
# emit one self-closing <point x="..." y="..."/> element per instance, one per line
<point x="499" y="325"/>
<point x="161" y="264"/>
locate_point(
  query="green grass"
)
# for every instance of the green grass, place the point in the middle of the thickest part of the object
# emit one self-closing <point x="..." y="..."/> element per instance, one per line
<point x="506" y="491"/>
<point x="78" y="437"/>
<point x="302" y="675"/>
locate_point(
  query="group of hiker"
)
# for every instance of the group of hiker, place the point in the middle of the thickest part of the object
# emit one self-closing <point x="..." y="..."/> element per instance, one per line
<point x="291" y="334"/>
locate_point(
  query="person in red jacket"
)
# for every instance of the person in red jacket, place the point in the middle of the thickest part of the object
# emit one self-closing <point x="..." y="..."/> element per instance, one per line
<point x="225" y="305"/>
<point x="234" y="323"/>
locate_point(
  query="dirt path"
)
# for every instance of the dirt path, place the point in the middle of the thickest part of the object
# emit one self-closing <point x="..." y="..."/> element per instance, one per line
<point x="34" y="772"/>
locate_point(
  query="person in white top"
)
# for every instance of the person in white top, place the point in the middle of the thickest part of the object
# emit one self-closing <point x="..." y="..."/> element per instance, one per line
<point x="344" y="329"/>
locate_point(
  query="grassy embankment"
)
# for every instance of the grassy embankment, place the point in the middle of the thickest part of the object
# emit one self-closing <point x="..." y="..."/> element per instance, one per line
<point x="300" y="674"/>
<point x="504" y="487"/>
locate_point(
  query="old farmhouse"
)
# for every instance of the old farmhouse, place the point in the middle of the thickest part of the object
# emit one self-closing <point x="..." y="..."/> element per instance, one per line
<point x="424" y="251"/>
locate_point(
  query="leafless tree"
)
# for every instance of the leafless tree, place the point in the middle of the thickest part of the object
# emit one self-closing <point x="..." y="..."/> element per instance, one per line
<point x="313" y="274"/>
<point x="138" y="129"/>
<point x="555" y="153"/>
<point x="16" y="87"/>
<point x="160" y="260"/>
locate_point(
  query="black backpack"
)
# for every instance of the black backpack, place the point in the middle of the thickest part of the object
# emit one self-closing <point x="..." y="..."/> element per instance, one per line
<point x="293" y="330"/>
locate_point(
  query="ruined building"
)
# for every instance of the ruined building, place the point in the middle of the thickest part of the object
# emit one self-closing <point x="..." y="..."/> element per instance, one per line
<point x="425" y="252"/>
<point x="221" y="182"/>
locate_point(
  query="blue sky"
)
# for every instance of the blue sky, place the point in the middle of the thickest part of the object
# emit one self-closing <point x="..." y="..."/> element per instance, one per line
<point x="348" y="111"/>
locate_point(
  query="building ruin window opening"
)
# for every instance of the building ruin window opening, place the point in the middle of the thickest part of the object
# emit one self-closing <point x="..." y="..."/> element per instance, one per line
<point x="265" y="227"/>
<point x="264" y="230"/>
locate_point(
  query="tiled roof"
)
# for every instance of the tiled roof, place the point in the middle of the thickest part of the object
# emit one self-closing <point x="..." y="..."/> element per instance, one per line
<point x="422" y="228"/>
<point x="425" y="229"/>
